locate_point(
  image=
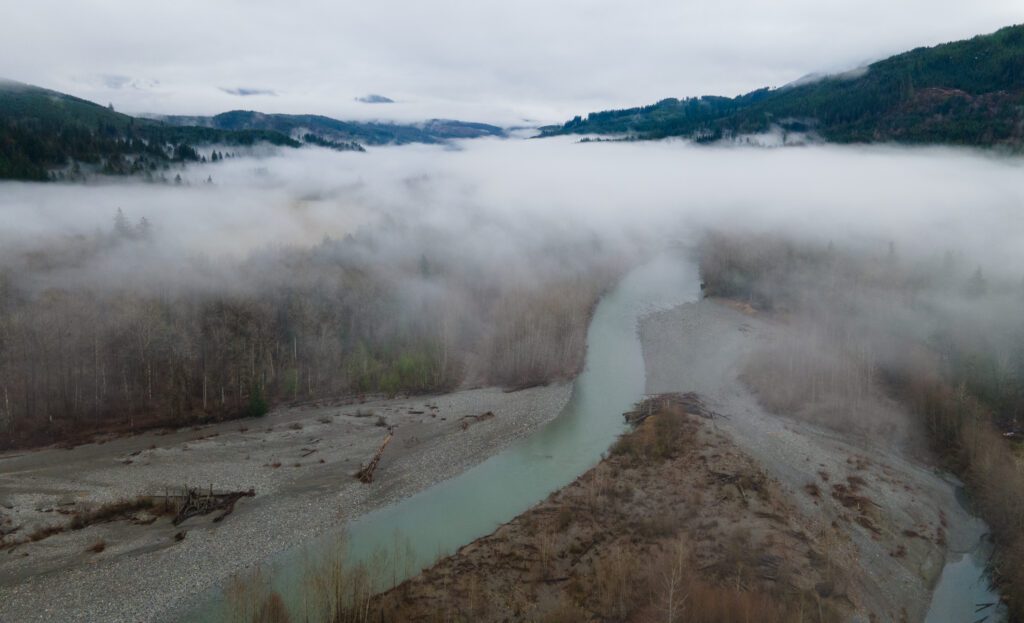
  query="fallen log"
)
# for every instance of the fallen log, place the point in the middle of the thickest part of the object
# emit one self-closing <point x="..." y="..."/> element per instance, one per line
<point x="365" y="474"/>
<point x="472" y="419"/>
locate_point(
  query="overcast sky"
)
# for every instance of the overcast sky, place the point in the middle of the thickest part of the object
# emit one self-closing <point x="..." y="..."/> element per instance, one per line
<point x="507" y="62"/>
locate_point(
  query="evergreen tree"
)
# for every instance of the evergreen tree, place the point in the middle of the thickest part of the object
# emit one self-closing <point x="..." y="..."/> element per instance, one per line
<point x="121" y="227"/>
<point x="976" y="285"/>
<point x="144" y="229"/>
<point x="257" y="403"/>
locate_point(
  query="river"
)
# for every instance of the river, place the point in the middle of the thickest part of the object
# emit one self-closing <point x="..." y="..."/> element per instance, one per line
<point x="964" y="591"/>
<point x="442" y="518"/>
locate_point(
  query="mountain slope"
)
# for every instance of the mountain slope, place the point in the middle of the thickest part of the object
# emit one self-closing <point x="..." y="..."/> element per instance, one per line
<point x="370" y="133"/>
<point x="968" y="92"/>
<point x="42" y="131"/>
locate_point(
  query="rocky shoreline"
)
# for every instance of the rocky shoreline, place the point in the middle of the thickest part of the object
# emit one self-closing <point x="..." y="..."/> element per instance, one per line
<point x="299" y="461"/>
<point x="893" y="516"/>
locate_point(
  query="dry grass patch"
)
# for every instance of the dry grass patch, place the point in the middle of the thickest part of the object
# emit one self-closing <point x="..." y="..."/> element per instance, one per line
<point x="121" y="509"/>
<point x="674" y="525"/>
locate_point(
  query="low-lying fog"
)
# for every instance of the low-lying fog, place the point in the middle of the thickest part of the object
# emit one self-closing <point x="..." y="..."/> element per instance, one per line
<point x="423" y="268"/>
<point x="500" y="200"/>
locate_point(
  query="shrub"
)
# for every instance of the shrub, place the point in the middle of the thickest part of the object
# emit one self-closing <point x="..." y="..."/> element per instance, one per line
<point x="257" y="403"/>
<point x="97" y="547"/>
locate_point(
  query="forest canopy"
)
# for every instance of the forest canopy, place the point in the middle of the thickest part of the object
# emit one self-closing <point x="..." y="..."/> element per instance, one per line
<point x="962" y="93"/>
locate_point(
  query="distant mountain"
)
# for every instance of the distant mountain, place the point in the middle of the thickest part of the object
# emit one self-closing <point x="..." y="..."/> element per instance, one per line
<point x="369" y="133"/>
<point x="45" y="134"/>
<point x="373" y="98"/>
<point x="963" y="93"/>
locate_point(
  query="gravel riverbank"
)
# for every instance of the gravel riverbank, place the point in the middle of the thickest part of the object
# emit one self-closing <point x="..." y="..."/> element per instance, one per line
<point x="298" y="460"/>
<point x="891" y="518"/>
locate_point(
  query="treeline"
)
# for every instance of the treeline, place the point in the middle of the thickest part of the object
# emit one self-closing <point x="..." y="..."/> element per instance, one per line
<point x="313" y="139"/>
<point x="342" y="132"/>
<point x="292" y="324"/>
<point x="964" y="93"/>
<point x="937" y="335"/>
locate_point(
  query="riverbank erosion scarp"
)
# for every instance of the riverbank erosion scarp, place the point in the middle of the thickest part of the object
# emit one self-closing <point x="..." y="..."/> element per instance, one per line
<point x="889" y="516"/>
<point x="299" y="462"/>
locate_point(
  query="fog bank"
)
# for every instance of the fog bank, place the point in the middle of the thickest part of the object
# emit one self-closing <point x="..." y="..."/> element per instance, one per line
<point x="503" y="201"/>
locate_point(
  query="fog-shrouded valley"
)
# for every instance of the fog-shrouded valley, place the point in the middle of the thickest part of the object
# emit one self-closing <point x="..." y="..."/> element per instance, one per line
<point x="427" y="352"/>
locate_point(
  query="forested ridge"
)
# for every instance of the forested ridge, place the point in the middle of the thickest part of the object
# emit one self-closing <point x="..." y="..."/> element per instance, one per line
<point x="367" y="132"/>
<point x="967" y="92"/>
<point x="47" y="135"/>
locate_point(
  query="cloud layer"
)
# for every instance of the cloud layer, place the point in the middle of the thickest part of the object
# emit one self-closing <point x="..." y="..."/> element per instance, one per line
<point x="502" y="62"/>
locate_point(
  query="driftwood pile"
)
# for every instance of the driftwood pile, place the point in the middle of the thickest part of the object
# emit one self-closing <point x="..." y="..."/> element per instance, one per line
<point x="193" y="501"/>
<point x="365" y="474"/>
<point x="689" y="402"/>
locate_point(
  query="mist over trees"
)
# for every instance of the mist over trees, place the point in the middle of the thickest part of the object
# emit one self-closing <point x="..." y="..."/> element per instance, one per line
<point x="918" y="352"/>
<point x="877" y="305"/>
<point x="293" y="323"/>
<point x="311" y="273"/>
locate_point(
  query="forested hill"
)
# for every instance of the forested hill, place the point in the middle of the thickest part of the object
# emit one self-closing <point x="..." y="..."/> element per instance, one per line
<point x="964" y="93"/>
<point x="48" y="135"/>
<point x="45" y="134"/>
<point x="370" y="133"/>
